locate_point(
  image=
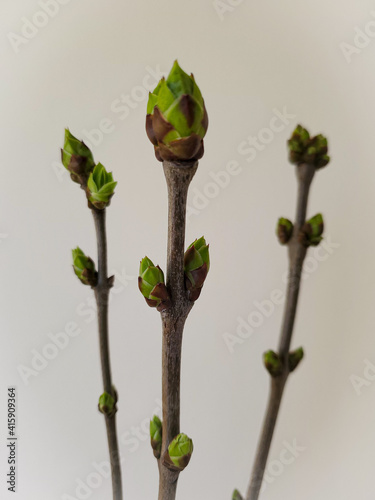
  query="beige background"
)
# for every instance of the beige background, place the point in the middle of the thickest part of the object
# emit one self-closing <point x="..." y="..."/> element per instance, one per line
<point x="254" y="58"/>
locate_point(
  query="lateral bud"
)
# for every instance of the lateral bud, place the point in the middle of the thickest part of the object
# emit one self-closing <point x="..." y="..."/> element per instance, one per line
<point x="178" y="454"/>
<point x="156" y="431"/>
<point x="273" y="363"/>
<point x="294" y="359"/>
<point x="107" y="404"/>
<point x="311" y="232"/>
<point x="284" y="230"/>
<point x="84" y="268"/>
<point x="151" y="285"/>
<point x="196" y="267"/>
<point x="237" y="495"/>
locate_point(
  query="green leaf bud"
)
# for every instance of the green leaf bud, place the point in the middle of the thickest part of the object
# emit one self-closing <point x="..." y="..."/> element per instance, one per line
<point x="237" y="495"/>
<point x="77" y="158"/>
<point x="177" y="120"/>
<point x="196" y="267"/>
<point x="273" y="363"/>
<point x="284" y="230"/>
<point x="100" y="187"/>
<point x="151" y="285"/>
<point x="84" y="268"/>
<point x="306" y="149"/>
<point x="295" y="357"/>
<point x="156" y="430"/>
<point x="179" y="453"/>
<point x="312" y="230"/>
<point x="107" y="404"/>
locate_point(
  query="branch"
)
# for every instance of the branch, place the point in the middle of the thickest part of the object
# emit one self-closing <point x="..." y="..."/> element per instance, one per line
<point x="102" y="296"/>
<point x="297" y="252"/>
<point x="178" y="177"/>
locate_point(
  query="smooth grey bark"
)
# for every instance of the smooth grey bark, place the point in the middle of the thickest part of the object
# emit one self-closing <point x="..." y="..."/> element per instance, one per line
<point x="102" y="297"/>
<point x="297" y="252"/>
<point x="178" y="177"/>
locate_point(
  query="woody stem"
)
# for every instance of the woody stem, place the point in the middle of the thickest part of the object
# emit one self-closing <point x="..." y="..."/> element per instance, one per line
<point x="178" y="177"/>
<point x="102" y="296"/>
<point x="297" y="252"/>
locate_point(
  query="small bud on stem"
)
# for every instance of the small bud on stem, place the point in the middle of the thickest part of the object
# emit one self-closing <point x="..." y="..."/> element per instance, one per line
<point x="295" y="357"/>
<point x="84" y="268"/>
<point x="237" y="495"/>
<point x="107" y="404"/>
<point x="273" y="363"/>
<point x="156" y="430"/>
<point x="179" y="453"/>
<point x="284" y="230"/>
<point x="152" y="286"/>
<point x="311" y="232"/>
<point x="196" y="267"/>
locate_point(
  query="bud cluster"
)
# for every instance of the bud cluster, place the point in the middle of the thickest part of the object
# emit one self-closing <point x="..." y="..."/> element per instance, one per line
<point x="306" y="149"/>
<point x="196" y="266"/>
<point x="93" y="178"/>
<point x="274" y="363"/>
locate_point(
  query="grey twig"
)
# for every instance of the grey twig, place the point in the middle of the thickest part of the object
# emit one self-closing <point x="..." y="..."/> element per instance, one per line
<point x="297" y="253"/>
<point x="102" y="296"/>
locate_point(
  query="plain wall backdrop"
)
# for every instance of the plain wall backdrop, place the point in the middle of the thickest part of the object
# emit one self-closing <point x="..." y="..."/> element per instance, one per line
<point x="88" y="64"/>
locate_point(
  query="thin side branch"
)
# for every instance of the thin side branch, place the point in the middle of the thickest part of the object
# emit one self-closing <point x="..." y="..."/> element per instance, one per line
<point x="297" y="253"/>
<point x="102" y="296"/>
